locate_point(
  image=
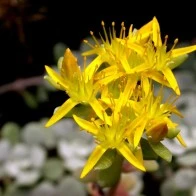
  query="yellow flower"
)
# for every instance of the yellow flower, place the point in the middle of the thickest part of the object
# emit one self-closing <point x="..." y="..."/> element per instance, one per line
<point x="158" y="114"/>
<point x="161" y="60"/>
<point x="115" y="53"/>
<point x="112" y="134"/>
<point x="79" y="86"/>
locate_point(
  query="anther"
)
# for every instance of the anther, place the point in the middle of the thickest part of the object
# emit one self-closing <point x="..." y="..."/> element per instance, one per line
<point x="175" y="42"/>
<point x="92" y="119"/>
<point x="131" y="28"/>
<point x="166" y="38"/>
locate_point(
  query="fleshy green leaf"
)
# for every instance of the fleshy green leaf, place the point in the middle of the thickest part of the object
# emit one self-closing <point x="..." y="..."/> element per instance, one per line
<point x="161" y="150"/>
<point x="147" y="150"/>
<point x="110" y="176"/>
<point x="81" y="110"/>
<point x="106" y="160"/>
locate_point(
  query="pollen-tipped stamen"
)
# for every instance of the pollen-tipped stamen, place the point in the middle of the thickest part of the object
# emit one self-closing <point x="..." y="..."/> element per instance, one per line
<point x="94" y="38"/>
<point x="105" y="32"/>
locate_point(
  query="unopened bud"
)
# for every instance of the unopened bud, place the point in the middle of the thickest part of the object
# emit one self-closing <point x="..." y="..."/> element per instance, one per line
<point x="172" y="133"/>
<point x="157" y="132"/>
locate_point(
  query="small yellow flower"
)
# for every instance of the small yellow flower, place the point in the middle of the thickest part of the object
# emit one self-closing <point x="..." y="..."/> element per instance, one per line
<point x="158" y="114"/>
<point x="112" y="134"/>
<point x="161" y="60"/>
<point x="79" y="86"/>
<point x="115" y="53"/>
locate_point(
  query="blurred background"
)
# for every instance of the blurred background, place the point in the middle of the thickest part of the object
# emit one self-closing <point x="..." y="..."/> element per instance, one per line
<point x="34" y="33"/>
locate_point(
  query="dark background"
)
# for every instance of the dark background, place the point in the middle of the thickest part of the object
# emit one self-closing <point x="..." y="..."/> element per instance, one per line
<point x="29" y="29"/>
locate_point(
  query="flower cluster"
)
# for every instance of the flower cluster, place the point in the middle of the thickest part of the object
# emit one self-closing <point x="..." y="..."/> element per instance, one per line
<point x="114" y="98"/>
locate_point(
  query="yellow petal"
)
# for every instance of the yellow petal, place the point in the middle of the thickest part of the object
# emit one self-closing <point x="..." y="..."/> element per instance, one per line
<point x="136" y="47"/>
<point x="135" y="130"/>
<point x="145" y="85"/>
<point x="86" y="125"/>
<point x="92" y="67"/>
<point x="140" y="68"/>
<point x="156" y="36"/>
<point x="54" y="84"/>
<point x="92" y="160"/>
<point x="139" y="154"/>
<point x="69" y="65"/>
<point x="127" y="153"/>
<point x="108" y="71"/>
<point x="111" y="78"/>
<point x="139" y="132"/>
<point x="158" y="77"/>
<point x="56" y="77"/>
<point x="181" y="51"/>
<point x="99" y="110"/>
<point x="172" y="80"/>
<point x="61" y="112"/>
<point x="127" y="92"/>
<point x="181" y="140"/>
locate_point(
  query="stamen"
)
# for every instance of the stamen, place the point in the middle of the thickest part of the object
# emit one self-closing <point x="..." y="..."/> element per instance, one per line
<point x="84" y="62"/>
<point x="86" y="42"/>
<point x="166" y="39"/>
<point x="113" y="30"/>
<point x="121" y="31"/>
<point x="131" y="29"/>
<point x="94" y="123"/>
<point x="175" y="43"/>
<point x="124" y="32"/>
<point x="105" y="33"/>
<point x="94" y="38"/>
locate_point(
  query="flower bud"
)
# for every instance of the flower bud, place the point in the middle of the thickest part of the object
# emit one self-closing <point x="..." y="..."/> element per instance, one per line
<point x="172" y="133"/>
<point x="157" y="132"/>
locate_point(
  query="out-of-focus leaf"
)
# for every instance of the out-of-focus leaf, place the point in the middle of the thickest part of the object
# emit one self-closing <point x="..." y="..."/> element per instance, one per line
<point x="11" y="132"/>
<point x="151" y="165"/>
<point x="184" y="178"/>
<point x="30" y="99"/>
<point x="69" y="186"/>
<point x="42" y="94"/>
<point x="53" y="169"/>
<point x="44" y="188"/>
<point x="27" y="178"/>
<point x="13" y="190"/>
<point x="34" y="133"/>
<point x="58" y="50"/>
<point x="188" y="159"/>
